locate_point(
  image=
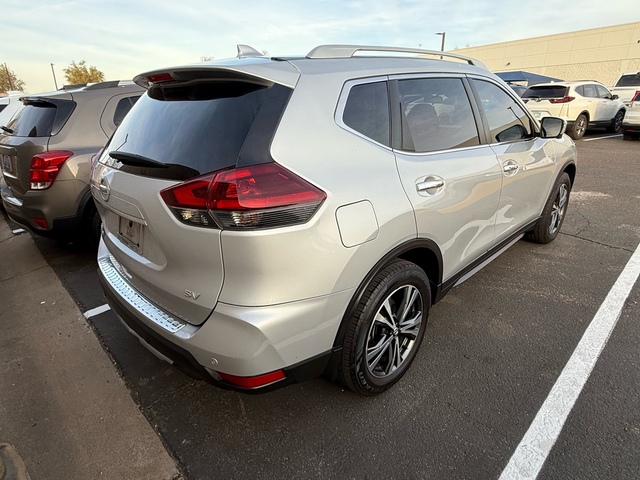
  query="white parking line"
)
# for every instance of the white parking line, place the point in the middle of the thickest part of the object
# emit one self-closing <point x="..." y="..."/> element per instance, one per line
<point x="601" y="138"/>
<point x="531" y="453"/>
<point x="96" y="311"/>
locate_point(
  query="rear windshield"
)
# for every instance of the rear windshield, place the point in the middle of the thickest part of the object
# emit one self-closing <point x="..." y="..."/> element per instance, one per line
<point x="201" y="128"/>
<point x="632" y="80"/>
<point x="41" y="118"/>
<point x="554" y="91"/>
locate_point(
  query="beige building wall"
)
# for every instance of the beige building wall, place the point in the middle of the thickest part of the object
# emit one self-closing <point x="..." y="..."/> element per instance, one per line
<point x="600" y="54"/>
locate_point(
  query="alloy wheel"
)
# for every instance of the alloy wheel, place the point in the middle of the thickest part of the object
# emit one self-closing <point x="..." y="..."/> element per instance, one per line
<point x="558" y="209"/>
<point x="394" y="331"/>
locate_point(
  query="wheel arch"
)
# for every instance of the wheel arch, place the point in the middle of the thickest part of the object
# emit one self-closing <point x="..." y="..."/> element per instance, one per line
<point x="423" y="252"/>
<point x="570" y="169"/>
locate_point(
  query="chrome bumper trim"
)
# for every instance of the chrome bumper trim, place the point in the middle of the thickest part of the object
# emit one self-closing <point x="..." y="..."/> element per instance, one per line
<point x="111" y="270"/>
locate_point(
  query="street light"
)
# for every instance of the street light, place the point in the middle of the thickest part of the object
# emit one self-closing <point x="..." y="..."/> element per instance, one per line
<point x="54" y="77"/>
<point x="444" y="34"/>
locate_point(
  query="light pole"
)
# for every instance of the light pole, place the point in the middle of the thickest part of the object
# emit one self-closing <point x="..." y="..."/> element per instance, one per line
<point x="444" y="34"/>
<point x="54" y="77"/>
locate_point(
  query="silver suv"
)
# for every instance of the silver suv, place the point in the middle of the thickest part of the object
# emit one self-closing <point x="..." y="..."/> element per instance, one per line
<point x="45" y="155"/>
<point x="268" y="220"/>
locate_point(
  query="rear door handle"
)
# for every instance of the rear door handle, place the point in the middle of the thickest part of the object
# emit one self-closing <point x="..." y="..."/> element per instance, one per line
<point x="430" y="183"/>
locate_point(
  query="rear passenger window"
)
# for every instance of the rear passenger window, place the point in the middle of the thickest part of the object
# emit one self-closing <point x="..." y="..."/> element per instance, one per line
<point x="590" y="91"/>
<point x="123" y="108"/>
<point x="367" y="111"/>
<point x="436" y="115"/>
<point x="508" y="121"/>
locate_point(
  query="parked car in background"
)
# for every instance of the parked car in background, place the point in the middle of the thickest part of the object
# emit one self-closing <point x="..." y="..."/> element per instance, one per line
<point x="627" y="86"/>
<point x="45" y="154"/>
<point x="270" y="219"/>
<point x="9" y="105"/>
<point x="519" y="89"/>
<point x="631" y="122"/>
<point x="584" y="105"/>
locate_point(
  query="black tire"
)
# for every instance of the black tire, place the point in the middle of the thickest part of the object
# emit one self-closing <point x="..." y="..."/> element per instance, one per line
<point x="376" y="327"/>
<point x="616" y="123"/>
<point x="548" y="225"/>
<point x="91" y="225"/>
<point x="579" y="127"/>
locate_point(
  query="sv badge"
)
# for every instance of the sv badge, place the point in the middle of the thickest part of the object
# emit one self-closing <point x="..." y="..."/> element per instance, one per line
<point x="190" y="294"/>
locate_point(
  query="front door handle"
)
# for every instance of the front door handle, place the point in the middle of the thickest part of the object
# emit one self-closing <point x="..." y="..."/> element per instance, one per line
<point x="510" y="167"/>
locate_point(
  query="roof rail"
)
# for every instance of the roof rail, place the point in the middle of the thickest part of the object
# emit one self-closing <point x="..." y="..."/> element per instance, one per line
<point x="348" y="51"/>
<point x="108" y="84"/>
<point x="73" y="86"/>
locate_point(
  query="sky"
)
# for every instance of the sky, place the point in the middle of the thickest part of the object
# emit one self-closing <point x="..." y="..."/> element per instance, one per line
<point x="123" y="38"/>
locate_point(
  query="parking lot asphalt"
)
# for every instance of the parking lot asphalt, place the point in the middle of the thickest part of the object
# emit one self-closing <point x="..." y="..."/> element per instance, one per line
<point x="494" y="347"/>
<point x="65" y="413"/>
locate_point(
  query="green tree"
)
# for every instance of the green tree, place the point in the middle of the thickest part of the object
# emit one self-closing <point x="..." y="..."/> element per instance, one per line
<point x="81" y="73"/>
<point x="8" y="80"/>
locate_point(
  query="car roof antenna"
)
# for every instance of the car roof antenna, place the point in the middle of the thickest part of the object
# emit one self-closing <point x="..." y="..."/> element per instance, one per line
<point x="247" y="51"/>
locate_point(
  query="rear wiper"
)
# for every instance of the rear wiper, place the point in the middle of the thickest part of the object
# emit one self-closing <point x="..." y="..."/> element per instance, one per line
<point x="6" y="129"/>
<point x="136" y="160"/>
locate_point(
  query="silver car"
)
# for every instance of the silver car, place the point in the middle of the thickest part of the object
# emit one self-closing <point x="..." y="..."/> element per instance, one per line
<point x="267" y="220"/>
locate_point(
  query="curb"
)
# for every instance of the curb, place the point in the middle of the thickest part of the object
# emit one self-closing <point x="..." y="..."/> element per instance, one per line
<point x="11" y="465"/>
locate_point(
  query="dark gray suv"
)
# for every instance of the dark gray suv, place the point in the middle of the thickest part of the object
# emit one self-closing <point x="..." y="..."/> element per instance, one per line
<point x="45" y="156"/>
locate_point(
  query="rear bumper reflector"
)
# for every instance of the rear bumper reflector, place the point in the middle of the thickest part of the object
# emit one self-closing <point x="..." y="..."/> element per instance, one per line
<point x="111" y="270"/>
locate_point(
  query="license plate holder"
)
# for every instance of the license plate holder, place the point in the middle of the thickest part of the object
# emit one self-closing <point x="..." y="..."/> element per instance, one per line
<point x="7" y="164"/>
<point x="131" y="233"/>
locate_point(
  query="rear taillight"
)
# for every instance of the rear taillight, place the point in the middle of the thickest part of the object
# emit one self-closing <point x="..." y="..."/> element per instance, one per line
<point x="566" y="99"/>
<point x="259" y="196"/>
<point x="45" y="168"/>
<point x="636" y="97"/>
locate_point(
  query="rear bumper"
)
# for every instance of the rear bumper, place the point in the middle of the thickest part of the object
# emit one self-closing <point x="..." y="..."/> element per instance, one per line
<point x="42" y="205"/>
<point x="239" y="341"/>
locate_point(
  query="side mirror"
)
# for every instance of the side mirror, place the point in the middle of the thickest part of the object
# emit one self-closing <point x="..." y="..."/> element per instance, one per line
<point x="614" y="97"/>
<point x="511" y="134"/>
<point x="553" y="127"/>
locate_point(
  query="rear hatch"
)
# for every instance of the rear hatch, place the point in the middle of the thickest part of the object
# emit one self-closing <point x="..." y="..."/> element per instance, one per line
<point x="28" y="134"/>
<point x="177" y="133"/>
<point x="547" y="100"/>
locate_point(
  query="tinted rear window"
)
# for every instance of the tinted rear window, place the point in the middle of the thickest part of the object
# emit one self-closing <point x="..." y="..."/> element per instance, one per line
<point x="632" y="80"/>
<point x="545" y="92"/>
<point x="202" y="128"/>
<point x="367" y="111"/>
<point x="41" y="118"/>
<point x="123" y="108"/>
